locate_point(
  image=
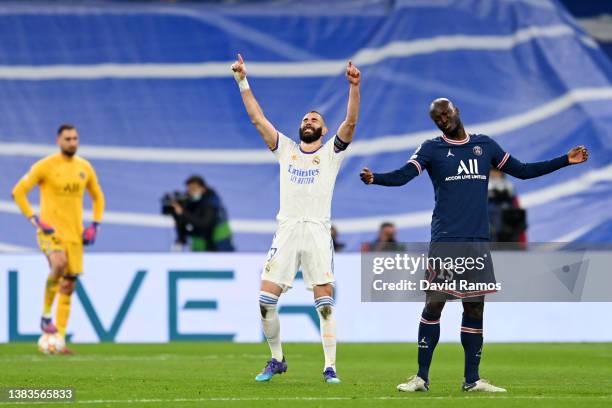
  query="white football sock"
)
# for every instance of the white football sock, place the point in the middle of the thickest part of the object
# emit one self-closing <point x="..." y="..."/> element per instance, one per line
<point x="271" y="323"/>
<point x="327" y="319"/>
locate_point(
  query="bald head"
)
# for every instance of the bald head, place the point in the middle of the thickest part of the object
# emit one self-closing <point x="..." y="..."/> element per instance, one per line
<point x="441" y="103"/>
<point x="446" y="117"/>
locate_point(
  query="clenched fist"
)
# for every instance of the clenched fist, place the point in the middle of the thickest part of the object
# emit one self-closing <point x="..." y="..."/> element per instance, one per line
<point x="366" y="176"/>
<point x="578" y="155"/>
<point x="352" y="74"/>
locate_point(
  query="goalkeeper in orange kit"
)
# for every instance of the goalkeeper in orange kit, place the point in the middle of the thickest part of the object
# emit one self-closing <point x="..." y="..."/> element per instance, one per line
<point x="62" y="178"/>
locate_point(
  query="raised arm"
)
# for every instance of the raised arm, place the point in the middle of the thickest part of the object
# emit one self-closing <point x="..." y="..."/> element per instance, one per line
<point x="264" y="127"/>
<point x="347" y="127"/>
<point x="515" y="168"/>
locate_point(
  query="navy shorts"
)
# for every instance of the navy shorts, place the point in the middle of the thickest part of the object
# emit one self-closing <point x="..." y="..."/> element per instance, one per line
<point x="460" y="268"/>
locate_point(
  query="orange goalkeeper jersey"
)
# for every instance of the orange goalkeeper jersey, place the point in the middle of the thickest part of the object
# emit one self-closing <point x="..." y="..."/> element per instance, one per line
<point x="62" y="182"/>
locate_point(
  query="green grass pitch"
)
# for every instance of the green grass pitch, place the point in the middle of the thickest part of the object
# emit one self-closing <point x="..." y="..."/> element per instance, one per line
<point x="221" y="375"/>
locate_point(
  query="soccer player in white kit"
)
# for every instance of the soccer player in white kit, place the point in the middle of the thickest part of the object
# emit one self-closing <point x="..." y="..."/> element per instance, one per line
<point x="303" y="241"/>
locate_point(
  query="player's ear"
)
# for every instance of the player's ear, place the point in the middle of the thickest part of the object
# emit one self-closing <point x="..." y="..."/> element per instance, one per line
<point x="324" y="131"/>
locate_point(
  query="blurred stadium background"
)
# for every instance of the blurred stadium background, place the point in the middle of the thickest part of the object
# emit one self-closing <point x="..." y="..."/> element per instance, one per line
<point x="148" y="85"/>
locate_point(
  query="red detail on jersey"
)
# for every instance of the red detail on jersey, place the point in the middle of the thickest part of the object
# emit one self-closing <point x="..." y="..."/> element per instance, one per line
<point x="456" y="142"/>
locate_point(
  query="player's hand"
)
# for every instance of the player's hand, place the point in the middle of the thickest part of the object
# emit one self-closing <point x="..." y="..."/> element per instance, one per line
<point x="43" y="226"/>
<point x="366" y="176"/>
<point x="353" y="74"/>
<point x="578" y="155"/>
<point x="239" y="68"/>
<point x="90" y="233"/>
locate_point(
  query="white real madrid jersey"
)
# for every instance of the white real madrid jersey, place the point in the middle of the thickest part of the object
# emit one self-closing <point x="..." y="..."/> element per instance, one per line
<point x="306" y="180"/>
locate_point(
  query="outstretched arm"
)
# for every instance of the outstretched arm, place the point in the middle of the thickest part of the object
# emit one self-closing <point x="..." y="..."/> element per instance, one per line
<point x="347" y="127"/>
<point x="515" y="168"/>
<point x="264" y="127"/>
<point x="395" y="178"/>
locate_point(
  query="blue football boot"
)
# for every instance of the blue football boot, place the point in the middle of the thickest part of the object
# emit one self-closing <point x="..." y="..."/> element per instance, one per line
<point x="272" y="367"/>
<point x="329" y="375"/>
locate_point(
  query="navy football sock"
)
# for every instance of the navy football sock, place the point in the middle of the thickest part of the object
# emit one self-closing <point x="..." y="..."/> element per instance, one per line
<point x="429" y="334"/>
<point x="471" y="340"/>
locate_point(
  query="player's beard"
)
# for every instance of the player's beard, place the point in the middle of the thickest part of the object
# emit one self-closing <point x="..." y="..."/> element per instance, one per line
<point x="313" y="137"/>
<point x="68" y="152"/>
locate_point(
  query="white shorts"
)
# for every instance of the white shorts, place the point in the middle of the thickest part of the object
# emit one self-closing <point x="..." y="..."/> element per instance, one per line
<point x="305" y="246"/>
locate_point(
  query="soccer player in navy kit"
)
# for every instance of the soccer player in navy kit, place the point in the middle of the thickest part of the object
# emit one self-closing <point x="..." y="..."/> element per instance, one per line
<point x="458" y="165"/>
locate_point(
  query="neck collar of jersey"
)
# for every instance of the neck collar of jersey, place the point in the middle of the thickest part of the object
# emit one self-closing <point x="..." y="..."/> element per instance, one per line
<point x="457" y="142"/>
<point x="314" y="151"/>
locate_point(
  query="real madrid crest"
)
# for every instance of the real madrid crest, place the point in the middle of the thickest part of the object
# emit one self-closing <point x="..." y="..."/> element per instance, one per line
<point x="477" y="150"/>
<point x="316" y="160"/>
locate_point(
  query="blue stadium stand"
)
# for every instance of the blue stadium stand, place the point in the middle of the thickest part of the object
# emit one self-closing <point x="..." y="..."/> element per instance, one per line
<point x="149" y="87"/>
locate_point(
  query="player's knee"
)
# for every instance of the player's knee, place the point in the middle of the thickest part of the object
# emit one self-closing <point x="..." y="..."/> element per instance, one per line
<point x="326" y="311"/>
<point x="59" y="265"/>
<point x="474" y="310"/>
<point x="267" y="303"/>
<point x="434" y="309"/>
<point x="67" y="286"/>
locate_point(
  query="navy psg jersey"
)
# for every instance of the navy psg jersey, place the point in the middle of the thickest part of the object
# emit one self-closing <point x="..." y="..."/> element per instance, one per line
<point x="459" y="171"/>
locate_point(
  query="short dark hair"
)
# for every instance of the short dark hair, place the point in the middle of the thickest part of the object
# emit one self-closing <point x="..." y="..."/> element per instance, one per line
<point x="65" y="126"/>
<point x="197" y="180"/>
<point x="386" y="224"/>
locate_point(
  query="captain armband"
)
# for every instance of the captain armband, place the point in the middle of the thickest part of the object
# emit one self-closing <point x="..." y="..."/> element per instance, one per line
<point x="340" y="145"/>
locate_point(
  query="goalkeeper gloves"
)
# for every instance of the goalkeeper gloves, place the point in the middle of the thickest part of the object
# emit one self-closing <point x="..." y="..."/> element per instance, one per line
<point x="89" y="235"/>
<point x="44" y="227"/>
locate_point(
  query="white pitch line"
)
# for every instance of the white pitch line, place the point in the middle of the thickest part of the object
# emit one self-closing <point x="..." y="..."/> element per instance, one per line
<point x="381" y="144"/>
<point x="320" y="68"/>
